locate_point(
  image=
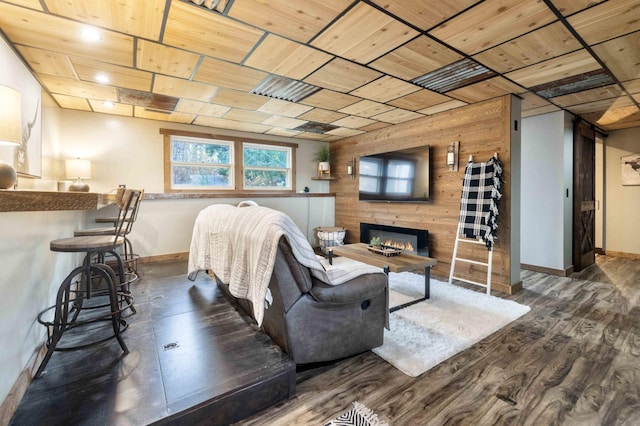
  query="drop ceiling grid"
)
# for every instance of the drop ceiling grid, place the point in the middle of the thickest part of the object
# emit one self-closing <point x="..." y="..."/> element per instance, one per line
<point x="363" y="34"/>
<point x="287" y="18"/>
<point x="424" y="14"/>
<point x="127" y="17"/>
<point x="287" y="58"/>
<point x="342" y="76"/>
<point x="201" y="108"/>
<point x="131" y="78"/>
<point x="521" y="39"/>
<point x="32" y="28"/>
<point x="555" y="69"/>
<point x="540" y="45"/>
<point x="165" y="60"/>
<point x="415" y="101"/>
<point x="587" y="96"/>
<point x="46" y="62"/>
<point x="185" y="89"/>
<point x="491" y="23"/>
<point x="621" y="56"/>
<point x="416" y="58"/>
<point x="385" y="89"/>
<point x="81" y="89"/>
<point x="321" y="115"/>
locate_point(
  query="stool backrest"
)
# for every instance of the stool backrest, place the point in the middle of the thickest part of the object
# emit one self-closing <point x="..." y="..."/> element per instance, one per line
<point x="127" y="211"/>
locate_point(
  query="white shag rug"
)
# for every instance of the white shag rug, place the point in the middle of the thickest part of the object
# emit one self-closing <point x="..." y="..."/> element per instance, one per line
<point x="453" y="319"/>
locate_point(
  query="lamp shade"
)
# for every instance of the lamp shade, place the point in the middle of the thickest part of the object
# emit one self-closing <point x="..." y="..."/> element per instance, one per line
<point x="10" y="116"/>
<point x="77" y="168"/>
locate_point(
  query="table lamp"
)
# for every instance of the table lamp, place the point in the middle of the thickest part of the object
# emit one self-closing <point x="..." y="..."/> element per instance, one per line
<point x="78" y="169"/>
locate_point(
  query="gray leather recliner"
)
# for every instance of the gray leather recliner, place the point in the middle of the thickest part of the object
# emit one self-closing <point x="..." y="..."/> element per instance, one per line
<point x="315" y="322"/>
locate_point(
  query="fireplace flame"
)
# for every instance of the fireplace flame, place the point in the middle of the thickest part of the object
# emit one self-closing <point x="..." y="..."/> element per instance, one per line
<point x="398" y="245"/>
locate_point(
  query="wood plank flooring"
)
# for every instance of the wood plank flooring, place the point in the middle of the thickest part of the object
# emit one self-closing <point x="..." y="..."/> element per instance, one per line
<point x="573" y="360"/>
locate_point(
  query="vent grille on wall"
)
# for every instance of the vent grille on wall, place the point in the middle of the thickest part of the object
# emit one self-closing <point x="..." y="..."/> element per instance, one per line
<point x="284" y="88"/>
<point x="454" y="76"/>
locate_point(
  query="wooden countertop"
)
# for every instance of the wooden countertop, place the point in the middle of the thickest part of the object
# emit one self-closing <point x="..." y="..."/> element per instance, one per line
<point x="31" y="200"/>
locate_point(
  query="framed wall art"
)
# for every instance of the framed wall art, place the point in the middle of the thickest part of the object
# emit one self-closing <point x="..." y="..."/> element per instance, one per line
<point x="27" y="157"/>
<point x="630" y="169"/>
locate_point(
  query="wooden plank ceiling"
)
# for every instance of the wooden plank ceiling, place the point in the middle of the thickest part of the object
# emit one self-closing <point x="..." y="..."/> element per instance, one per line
<point x="334" y="68"/>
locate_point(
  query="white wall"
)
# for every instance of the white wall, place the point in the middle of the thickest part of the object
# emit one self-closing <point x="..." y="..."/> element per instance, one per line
<point x="622" y="227"/>
<point x="545" y="209"/>
<point x="129" y="151"/>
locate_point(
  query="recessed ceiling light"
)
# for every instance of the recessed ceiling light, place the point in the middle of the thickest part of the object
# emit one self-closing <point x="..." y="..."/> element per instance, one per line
<point x="102" y="78"/>
<point x="91" y="34"/>
<point x="108" y="104"/>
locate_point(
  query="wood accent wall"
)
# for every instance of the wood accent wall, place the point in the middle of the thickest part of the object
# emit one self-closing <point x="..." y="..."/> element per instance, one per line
<point x="482" y="129"/>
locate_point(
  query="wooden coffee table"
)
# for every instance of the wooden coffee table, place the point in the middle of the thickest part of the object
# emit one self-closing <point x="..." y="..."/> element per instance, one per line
<point x="401" y="263"/>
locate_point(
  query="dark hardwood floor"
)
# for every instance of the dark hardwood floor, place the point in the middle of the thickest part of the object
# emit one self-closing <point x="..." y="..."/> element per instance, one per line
<point x="574" y="360"/>
<point x="193" y="359"/>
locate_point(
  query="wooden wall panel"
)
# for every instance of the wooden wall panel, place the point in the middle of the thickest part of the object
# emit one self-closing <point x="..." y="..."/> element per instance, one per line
<point x="482" y="129"/>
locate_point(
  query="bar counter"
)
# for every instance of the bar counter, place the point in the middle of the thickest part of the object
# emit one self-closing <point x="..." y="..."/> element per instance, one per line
<point x="31" y="200"/>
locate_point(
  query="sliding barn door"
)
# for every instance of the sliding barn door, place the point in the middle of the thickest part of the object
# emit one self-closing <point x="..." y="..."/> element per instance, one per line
<point x="584" y="163"/>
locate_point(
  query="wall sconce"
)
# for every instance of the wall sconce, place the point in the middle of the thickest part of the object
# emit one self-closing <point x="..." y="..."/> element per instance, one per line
<point x="10" y="131"/>
<point x="452" y="155"/>
<point x="78" y="169"/>
<point x="351" y="168"/>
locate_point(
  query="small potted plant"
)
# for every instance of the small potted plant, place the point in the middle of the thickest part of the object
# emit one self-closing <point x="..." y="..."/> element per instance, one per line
<point x="322" y="157"/>
<point x="375" y="242"/>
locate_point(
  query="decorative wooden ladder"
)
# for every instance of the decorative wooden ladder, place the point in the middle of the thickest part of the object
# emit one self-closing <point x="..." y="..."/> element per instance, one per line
<point x="462" y="239"/>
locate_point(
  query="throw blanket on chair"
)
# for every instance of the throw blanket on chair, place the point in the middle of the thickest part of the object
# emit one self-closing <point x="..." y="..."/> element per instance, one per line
<point x="239" y="244"/>
<point x="479" y="204"/>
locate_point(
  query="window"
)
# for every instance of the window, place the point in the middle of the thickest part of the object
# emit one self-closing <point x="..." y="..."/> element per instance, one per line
<point x="201" y="162"/>
<point x="266" y="167"/>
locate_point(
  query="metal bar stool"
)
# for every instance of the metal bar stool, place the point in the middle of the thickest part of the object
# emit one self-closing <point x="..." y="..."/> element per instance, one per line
<point x="79" y="299"/>
<point x="129" y="257"/>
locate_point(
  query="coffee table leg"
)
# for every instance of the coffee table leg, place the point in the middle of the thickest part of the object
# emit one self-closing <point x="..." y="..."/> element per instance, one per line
<point x="427" y="282"/>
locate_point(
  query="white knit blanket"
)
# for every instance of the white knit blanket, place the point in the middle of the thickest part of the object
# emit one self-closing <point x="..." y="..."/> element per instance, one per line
<point x="239" y="245"/>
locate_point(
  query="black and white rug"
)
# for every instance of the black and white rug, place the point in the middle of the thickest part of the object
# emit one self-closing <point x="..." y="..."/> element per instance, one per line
<point x="359" y="415"/>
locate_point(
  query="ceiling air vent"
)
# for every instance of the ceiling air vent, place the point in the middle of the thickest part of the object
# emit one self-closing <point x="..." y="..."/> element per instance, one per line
<point x="275" y="86"/>
<point x="454" y="76"/>
<point x="315" y="127"/>
<point x="147" y="100"/>
<point x="573" y="84"/>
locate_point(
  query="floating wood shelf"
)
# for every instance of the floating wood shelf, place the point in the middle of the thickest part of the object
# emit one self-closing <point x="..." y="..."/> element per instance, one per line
<point x="324" y="178"/>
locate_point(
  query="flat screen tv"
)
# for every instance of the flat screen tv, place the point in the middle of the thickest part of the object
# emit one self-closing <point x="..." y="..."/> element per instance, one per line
<point x="395" y="176"/>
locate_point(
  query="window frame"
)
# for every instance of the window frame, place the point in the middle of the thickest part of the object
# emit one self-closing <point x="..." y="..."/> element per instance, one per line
<point x="238" y="187"/>
<point x="287" y="169"/>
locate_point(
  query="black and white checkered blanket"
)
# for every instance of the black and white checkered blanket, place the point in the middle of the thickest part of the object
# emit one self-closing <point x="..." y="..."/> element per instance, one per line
<point x="479" y="204"/>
